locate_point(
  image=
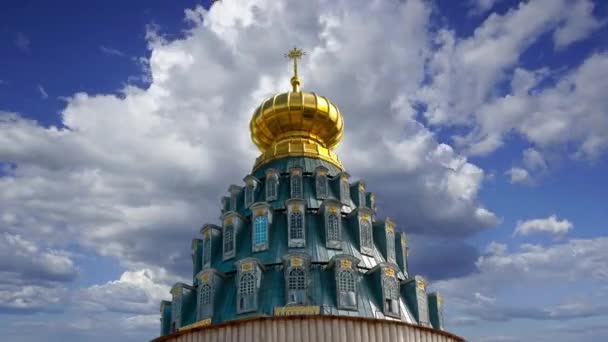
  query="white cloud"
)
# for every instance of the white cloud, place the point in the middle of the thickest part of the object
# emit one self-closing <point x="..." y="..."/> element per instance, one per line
<point x="134" y="292"/>
<point x="31" y="298"/>
<point x="31" y="264"/>
<point x="467" y="75"/>
<point x="578" y="24"/>
<point x="550" y="225"/>
<point x="494" y="291"/>
<point x="110" y="51"/>
<point x="534" y="160"/>
<point x="137" y="163"/>
<point x="518" y="175"/>
<point x="43" y="94"/>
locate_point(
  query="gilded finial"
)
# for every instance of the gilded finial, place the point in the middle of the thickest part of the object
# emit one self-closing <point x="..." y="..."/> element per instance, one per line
<point x="294" y="55"/>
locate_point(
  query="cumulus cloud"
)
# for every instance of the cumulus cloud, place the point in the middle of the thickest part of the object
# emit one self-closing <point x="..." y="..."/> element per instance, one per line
<point x="146" y="167"/>
<point x="32" y="263"/>
<point x="518" y="175"/>
<point x="550" y="225"/>
<point x="467" y="74"/>
<point x="32" y="279"/>
<point x="534" y="160"/>
<point x="579" y="23"/>
<point x="135" y="292"/>
<point x="570" y="268"/>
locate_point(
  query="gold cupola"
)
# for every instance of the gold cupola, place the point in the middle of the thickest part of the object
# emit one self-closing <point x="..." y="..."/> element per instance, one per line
<point x="296" y="124"/>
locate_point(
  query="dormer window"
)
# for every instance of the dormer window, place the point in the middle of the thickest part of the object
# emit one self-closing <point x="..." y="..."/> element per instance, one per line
<point x="296" y="223"/>
<point x="296" y="183"/>
<point x="346" y="281"/>
<point x="333" y="223"/>
<point x="248" y="283"/>
<point x="361" y="193"/>
<point x="250" y="186"/>
<point x="228" y="241"/>
<point x="247" y="293"/>
<point x="261" y="222"/>
<point x="204" y="301"/>
<point x="272" y="184"/>
<point x="390" y="242"/>
<point x="344" y="189"/>
<point x="234" y="195"/>
<point x="296" y="279"/>
<point x="233" y="202"/>
<point x="176" y="314"/>
<point x="365" y="231"/>
<point x="390" y="289"/>
<point x="232" y="224"/>
<point x="321" y="183"/>
<point x="206" y="249"/>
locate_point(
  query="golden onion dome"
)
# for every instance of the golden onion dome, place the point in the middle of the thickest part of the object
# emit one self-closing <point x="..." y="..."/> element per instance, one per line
<point x="297" y="123"/>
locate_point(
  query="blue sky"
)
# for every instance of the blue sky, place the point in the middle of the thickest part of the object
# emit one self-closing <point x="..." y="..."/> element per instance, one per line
<point x="121" y="126"/>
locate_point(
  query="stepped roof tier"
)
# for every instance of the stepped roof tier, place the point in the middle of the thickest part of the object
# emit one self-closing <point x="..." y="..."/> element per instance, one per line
<point x="297" y="237"/>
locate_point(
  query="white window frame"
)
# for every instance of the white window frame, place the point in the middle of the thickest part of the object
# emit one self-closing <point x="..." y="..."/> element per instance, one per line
<point x="296" y="183"/>
<point x="333" y="239"/>
<point x="343" y="288"/>
<point x="344" y="191"/>
<point x="321" y="184"/>
<point x="272" y="186"/>
<point x="291" y="209"/>
<point x="366" y="236"/>
<point x="390" y="295"/>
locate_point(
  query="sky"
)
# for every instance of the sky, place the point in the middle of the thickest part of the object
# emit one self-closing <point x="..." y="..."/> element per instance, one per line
<point x="480" y="125"/>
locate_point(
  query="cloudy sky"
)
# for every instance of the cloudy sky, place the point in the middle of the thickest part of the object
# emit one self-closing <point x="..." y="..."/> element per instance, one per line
<point x="481" y="125"/>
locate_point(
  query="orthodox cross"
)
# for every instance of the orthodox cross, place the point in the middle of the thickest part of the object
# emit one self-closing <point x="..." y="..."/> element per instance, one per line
<point x="294" y="55"/>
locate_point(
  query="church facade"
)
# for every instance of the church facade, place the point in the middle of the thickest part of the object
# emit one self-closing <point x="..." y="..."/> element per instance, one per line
<point x="299" y="249"/>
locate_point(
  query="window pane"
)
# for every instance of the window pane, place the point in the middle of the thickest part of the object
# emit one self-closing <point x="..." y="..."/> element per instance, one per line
<point x="261" y="230"/>
<point x="366" y="233"/>
<point x="271" y="188"/>
<point x="296" y="225"/>
<point x="228" y="238"/>
<point x="321" y="185"/>
<point x="207" y="252"/>
<point x="333" y="227"/>
<point x="296" y="186"/>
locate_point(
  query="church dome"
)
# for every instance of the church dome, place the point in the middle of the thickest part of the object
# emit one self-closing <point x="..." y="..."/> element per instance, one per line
<point x="297" y="238"/>
<point x="297" y="123"/>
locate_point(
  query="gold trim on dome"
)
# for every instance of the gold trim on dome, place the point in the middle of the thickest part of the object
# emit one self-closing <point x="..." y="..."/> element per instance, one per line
<point x="297" y="124"/>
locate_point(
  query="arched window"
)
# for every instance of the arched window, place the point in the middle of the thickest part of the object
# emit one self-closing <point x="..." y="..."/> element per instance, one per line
<point x="207" y="251"/>
<point x="205" y="294"/>
<point x="247" y="301"/>
<point x="333" y="227"/>
<point x="390" y="245"/>
<point x="260" y="236"/>
<point x="272" y="183"/>
<point x="296" y="286"/>
<point x="344" y="191"/>
<point x="249" y="198"/>
<point x="176" y="313"/>
<point x="296" y="225"/>
<point x="296" y="185"/>
<point x="391" y="297"/>
<point x="321" y="186"/>
<point x="233" y="201"/>
<point x="362" y="198"/>
<point x="228" y="241"/>
<point x="347" y="295"/>
<point x="366" y="233"/>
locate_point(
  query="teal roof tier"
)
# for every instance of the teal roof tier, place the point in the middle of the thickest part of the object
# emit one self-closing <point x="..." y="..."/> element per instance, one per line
<point x="296" y="237"/>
